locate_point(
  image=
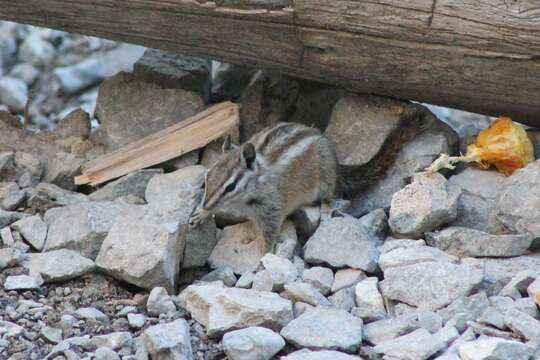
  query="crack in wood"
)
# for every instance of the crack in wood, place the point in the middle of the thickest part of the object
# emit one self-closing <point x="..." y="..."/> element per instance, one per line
<point x="432" y="15"/>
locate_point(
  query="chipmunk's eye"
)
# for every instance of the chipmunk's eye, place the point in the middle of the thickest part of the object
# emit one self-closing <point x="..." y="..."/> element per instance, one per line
<point x="230" y="187"/>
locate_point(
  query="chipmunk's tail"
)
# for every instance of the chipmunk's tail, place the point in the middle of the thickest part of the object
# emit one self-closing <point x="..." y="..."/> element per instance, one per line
<point x="355" y="179"/>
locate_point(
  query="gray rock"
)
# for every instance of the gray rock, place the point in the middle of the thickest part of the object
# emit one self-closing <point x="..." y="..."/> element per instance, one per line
<point x="13" y="93"/>
<point x="81" y="227"/>
<point x="518" y="202"/>
<point x="533" y="288"/>
<point x="289" y="245"/>
<point x="224" y="274"/>
<point x="168" y="341"/>
<point x="419" y="344"/>
<point x="22" y="282"/>
<point x="390" y="244"/>
<point x="51" y="335"/>
<point x="26" y="72"/>
<point x="521" y="323"/>
<point x="320" y="277"/>
<point x="345" y="278"/>
<point x="345" y="299"/>
<point x="464" y="242"/>
<point x="10" y="329"/>
<point x="174" y="71"/>
<point x="91" y="71"/>
<point x="90" y="313"/>
<point x="245" y="280"/>
<point x="33" y="229"/>
<point x="281" y="269"/>
<point x="11" y="196"/>
<point x="134" y="183"/>
<point x="159" y="302"/>
<point x="477" y="205"/>
<point x="342" y="242"/>
<point x="57" y="196"/>
<point x="136" y="321"/>
<point x="224" y="309"/>
<point x="381" y="331"/>
<point x="301" y="291"/>
<point x="36" y="51"/>
<point x="433" y="284"/>
<point x="429" y="320"/>
<point x="104" y="353"/>
<point x="10" y="257"/>
<point x="325" y="328"/>
<point x="494" y="349"/>
<point x="518" y="284"/>
<point x="145" y="248"/>
<point x="61" y="168"/>
<point x="403" y="256"/>
<point x="114" y="340"/>
<point x="306" y="354"/>
<point x="369" y="302"/>
<point x="9" y="217"/>
<point x="124" y="102"/>
<point x="375" y="223"/>
<point x="59" y="265"/>
<point x="253" y="343"/>
<point x="428" y="202"/>
<point x="76" y="124"/>
<point x="264" y="281"/>
<point x="239" y="247"/>
<point x="300" y="307"/>
<point x="470" y="308"/>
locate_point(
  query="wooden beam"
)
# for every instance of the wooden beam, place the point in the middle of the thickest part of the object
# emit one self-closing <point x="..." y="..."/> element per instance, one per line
<point x="176" y="140"/>
<point x="481" y="56"/>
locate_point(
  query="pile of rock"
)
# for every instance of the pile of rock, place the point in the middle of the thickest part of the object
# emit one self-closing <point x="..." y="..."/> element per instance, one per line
<point x="418" y="266"/>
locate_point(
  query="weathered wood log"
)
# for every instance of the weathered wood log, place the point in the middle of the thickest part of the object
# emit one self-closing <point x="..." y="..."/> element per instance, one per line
<point x="173" y="141"/>
<point x="481" y="56"/>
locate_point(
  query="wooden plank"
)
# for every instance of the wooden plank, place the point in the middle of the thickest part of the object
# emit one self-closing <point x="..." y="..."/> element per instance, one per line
<point x="176" y="140"/>
<point x="481" y="56"/>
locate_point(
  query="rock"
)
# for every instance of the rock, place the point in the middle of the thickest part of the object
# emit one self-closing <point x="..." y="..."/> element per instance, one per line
<point x="518" y="284"/>
<point x="36" y="51"/>
<point x="300" y="307"/>
<point x="56" y="196"/>
<point x="281" y="269"/>
<point x="175" y="71"/>
<point x="345" y="278"/>
<point x="254" y="343"/>
<point x="134" y="183"/>
<point x="145" y="248"/>
<point x="342" y="242"/>
<point x="325" y="328"/>
<point x="33" y="229"/>
<point x="11" y="196"/>
<point x="379" y="332"/>
<point x="104" y="353"/>
<point x="224" y="274"/>
<point x="534" y="288"/>
<point x="375" y="223"/>
<point x="10" y="329"/>
<point x="168" y="341"/>
<point x="89" y="223"/>
<point x="419" y="344"/>
<point x="518" y="201"/>
<point x="13" y="93"/>
<point x="477" y="205"/>
<point x="429" y="320"/>
<point x="159" y="302"/>
<point x="179" y="190"/>
<point x="301" y="291"/>
<point x="59" y="265"/>
<point x="91" y="71"/>
<point x="10" y="257"/>
<point x="471" y="307"/>
<point x="289" y="245"/>
<point x="264" y="281"/>
<point x="61" y="168"/>
<point x="90" y="313"/>
<point x="51" y="335"/>
<point x="21" y="167"/>
<point x="403" y="256"/>
<point x="306" y="354"/>
<point x="319" y="277"/>
<point x="428" y="202"/>
<point x="344" y="299"/>
<point x="369" y="302"/>
<point x="522" y="324"/>
<point x="494" y="349"/>
<point x="26" y="72"/>
<point x="114" y="340"/>
<point x="76" y="124"/>
<point x="433" y="284"/>
<point x="245" y="280"/>
<point x="124" y="102"/>
<point x="22" y="282"/>
<point x="464" y="242"/>
<point x="224" y="309"/>
<point x="433" y="138"/>
<point x="136" y="321"/>
<point x="239" y="247"/>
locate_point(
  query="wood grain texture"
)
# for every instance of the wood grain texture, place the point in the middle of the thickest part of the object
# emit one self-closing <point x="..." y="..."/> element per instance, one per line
<point x="481" y="56"/>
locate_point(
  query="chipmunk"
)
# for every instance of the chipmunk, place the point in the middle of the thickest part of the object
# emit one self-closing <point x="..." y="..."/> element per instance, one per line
<point x="283" y="168"/>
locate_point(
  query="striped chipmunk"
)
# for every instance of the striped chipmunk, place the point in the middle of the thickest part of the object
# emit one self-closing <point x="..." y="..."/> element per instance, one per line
<point x="283" y="168"/>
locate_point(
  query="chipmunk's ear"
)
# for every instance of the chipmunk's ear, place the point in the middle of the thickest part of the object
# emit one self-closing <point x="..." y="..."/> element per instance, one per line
<point x="248" y="154"/>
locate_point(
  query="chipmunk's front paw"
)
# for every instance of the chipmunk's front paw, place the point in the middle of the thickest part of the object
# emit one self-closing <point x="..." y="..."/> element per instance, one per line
<point x="195" y="220"/>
